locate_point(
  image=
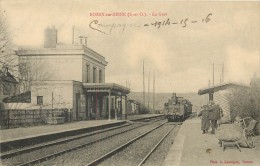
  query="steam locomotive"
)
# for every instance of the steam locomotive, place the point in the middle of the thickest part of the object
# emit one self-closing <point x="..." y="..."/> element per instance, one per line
<point x="177" y="108"/>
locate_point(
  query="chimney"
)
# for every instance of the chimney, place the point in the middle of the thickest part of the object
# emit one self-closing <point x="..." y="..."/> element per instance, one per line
<point x="50" y="37"/>
<point x="174" y="97"/>
<point x="81" y="41"/>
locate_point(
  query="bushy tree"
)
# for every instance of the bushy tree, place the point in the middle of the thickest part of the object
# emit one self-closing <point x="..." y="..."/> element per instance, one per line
<point x="245" y="102"/>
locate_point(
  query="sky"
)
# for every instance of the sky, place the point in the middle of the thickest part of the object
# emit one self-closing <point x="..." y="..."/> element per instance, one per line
<point x="178" y="42"/>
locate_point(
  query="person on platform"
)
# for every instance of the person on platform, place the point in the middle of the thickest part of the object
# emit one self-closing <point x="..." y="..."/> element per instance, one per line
<point x="204" y="113"/>
<point x="214" y="115"/>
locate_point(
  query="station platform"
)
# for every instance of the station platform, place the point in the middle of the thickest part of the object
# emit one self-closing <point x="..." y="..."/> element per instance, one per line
<point x="191" y="147"/>
<point x="14" y="134"/>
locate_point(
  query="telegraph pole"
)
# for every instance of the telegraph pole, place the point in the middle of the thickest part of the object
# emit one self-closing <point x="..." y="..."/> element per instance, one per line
<point x="223" y="73"/>
<point x="73" y="34"/>
<point x="213" y="75"/>
<point x="143" y="85"/>
<point x="149" y="91"/>
<point x="153" y="90"/>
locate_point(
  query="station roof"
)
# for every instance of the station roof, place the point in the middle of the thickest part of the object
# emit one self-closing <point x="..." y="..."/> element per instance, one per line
<point x="225" y="86"/>
<point x="64" y="50"/>
<point x="115" y="89"/>
<point x="7" y="77"/>
<point x="19" y="98"/>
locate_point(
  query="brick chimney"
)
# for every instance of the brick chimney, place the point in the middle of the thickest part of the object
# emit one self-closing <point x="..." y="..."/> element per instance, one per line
<point x="50" y="37"/>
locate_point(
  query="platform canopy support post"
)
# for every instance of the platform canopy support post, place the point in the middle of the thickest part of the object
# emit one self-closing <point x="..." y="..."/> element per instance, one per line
<point x="116" y="107"/>
<point x="126" y="107"/>
<point x="121" y="102"/>
<point x="109" y="105"/>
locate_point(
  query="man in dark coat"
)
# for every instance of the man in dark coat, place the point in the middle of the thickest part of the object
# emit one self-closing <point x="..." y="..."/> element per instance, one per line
<point x="204" y="113"/>
<point x="214" y="115"/>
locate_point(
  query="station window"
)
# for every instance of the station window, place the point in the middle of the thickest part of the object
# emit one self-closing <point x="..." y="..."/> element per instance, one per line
<point x="39" y="100"/>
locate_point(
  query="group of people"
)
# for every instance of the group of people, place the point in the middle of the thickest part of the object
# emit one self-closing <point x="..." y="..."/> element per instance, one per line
<point x="209" y="115"/>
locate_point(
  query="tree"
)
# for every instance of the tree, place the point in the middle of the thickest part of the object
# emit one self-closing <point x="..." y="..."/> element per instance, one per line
<point x="26" y="69"/>
<point x="31" y="69"/>
<point x="8" y="58"/>
<point x="245" y="102"/>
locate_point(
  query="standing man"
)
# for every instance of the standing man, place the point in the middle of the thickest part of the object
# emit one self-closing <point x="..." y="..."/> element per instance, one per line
<point x="214" y="115"/>
<point x="204" y="113"/>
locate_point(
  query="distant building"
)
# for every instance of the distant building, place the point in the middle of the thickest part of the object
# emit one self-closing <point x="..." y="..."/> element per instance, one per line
<point x="69" y="76"/>
<point x="219" y="94"/>
<point x="8" y="85"/>
<point x="134" y="106"/>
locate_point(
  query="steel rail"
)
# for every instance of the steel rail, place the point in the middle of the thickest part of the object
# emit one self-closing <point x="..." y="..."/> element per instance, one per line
<point x="156" y="146"/>
<point x="51" y="143"/>
<point x="107" y="155"/>
<point x="38" y="160"/>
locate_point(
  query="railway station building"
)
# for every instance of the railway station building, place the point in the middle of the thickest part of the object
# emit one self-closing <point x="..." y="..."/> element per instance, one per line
<point x="219" y="94"/>
<point x="69" y="76"/>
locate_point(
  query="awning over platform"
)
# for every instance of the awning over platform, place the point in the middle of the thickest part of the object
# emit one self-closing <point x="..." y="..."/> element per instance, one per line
<point x="108" y="89"/>
<point x="112" y="88"/>
<point x="216" y="88"/>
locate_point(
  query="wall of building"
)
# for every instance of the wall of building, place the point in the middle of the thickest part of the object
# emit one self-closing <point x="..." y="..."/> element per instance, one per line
<point x="61" y="94"/>
<point x="87" y="71"/>
<point x="79" y="102"/>
<point x="52" y="67"/>
<point x="221" y="99"/>
<point x="55" y="94"/>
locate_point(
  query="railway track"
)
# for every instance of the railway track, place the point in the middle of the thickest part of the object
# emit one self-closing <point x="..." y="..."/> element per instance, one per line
<point x="116" y="153"/>
<point x="156" y="146"/>
<point x="15" y="153"/>
<point x="12" y="153"/>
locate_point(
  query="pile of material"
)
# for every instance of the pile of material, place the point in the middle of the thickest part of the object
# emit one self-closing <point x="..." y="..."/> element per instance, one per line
<point x="231" y="133"/>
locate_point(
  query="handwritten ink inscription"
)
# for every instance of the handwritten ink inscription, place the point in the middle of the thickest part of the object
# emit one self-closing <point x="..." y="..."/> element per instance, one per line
<point x="184" y="22"/>
<point x="109" y="28"/>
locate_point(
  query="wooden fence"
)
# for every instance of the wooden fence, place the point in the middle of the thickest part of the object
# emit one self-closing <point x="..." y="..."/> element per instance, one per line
<point x="22" y="118"/>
